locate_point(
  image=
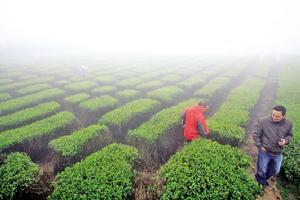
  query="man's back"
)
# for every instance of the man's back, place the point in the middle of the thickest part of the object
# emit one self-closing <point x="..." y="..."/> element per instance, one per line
<point x="193" y="118"/>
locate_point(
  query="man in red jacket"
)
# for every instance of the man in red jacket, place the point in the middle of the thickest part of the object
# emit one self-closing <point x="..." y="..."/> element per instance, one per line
<point x="194" y="122"/>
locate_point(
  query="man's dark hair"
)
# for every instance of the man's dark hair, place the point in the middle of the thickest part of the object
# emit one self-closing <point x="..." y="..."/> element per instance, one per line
<point x="204" y="104"/>
<point x="281" y="109"/>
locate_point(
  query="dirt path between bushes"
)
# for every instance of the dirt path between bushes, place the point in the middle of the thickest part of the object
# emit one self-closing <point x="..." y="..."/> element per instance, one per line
<point x="262" y="108"/>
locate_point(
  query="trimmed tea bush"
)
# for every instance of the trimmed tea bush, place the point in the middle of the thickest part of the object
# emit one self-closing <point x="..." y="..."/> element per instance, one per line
<point x="22" y="102"/>
<point x="97" y="103"/>
<point x="19" y="118"/>
<point x="73" y="144"/>
<point x="16" y="174"/>
<point x="122" y="115"/>
<point x="207" y="170"/>
<point x="106" y="174"/>
<point x="36" y="129"/>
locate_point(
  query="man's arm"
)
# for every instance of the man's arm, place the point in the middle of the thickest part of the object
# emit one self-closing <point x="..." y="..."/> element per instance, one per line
<point x="289" y="135"/>
<point x="201" y="129"/>
<point x="257" y="134"/>
<point x="182" y="116"/>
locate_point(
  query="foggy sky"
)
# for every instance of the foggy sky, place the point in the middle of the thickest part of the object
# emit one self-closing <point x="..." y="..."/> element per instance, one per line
<point x="156" y="26"/>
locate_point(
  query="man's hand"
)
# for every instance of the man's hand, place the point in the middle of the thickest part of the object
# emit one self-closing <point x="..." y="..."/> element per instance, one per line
<point x="282" y="142"/>
<point x="263" y="149"/>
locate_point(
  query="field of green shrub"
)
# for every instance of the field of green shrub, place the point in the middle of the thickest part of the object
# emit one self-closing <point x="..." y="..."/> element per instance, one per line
<point x="87" y="135"/>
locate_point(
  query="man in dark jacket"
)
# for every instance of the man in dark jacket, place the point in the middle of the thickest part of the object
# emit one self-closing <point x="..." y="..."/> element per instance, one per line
<point x="271" y="134"/>
<point x="194" y="121"/>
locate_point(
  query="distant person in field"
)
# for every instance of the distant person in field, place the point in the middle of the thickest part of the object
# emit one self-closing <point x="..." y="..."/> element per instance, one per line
<point x="194" y="122"/>
<point x="271" y="134"/>
<point x="82" y="70"/>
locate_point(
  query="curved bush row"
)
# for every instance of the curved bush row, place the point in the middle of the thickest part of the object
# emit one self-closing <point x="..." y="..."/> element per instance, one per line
<point x="33" y="88"/>
<point x="130" y="82"/>
<point x="149" y="75"/>
<point x="73" y="144"/>
<point x="62" y="82"/>
<point x="17" y="172"/>
<point x="236" y="70"/>
<point x="27" y="76"/>
<point x="122" y="115"/>
<point x="150" y="85"/>
<point x="205" y="169"/>
<point x="4" y="96"/>
<point x="127" y="94"/>
<point x="106" y="174"/>
<point x="77" y="98"/>
<point x="106" y="79"/>
<point x="160" y="123"/>
<point x="127" y="74"/>
<point x="98" y="103"/>
<point x="5" y="81"/>
<point x="197" y="79"/>
<point x="207" y="90"/>
<point x="288" y="95"/>
<point x="165" y="94"/>
<point x="12" y="73"/>
<point x="84" y="85"/>
<point x="226" y="124"/>
<point x="104" y="89"/>
<point x="15" y="85"/>
<point x="22" y="102"/>
<point x="21" y="117"/>
<point x="36" y="129"/>
<point x="171" y="78"/>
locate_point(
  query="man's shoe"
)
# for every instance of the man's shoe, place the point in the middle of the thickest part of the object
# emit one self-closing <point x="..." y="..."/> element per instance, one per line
<point x="266" y="185"/>
<point x="273" y="179"/>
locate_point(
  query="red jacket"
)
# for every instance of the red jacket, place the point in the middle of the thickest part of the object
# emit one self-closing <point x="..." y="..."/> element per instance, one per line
<point x="194" y="118"/>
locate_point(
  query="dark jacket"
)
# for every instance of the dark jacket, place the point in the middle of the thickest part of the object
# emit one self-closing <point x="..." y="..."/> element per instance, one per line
<point x="268" y="133"/>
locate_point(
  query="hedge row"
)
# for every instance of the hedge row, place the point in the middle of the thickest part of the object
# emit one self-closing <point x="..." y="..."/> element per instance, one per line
<point x="17" y="173"/>
<point x="106" y="174"/>
<point x="73" y="144"/>
<point x="33" y="88"/>
<point x="226" y="124"/>
<point x="149" y="75"/>
<point x="62" y="82"/>
<point x="11" y="74"/>
<point x="288" y="95"/>
<point x="210" y="88"/>
<point x="160" y="123"/>
<point x="4" y="96"/>
<point x="36" y="129"/>
<point x="165" y="94"/>
<point x="106" y="79"/>
<point x="27" y="76"/>
<point x="150" y="85"/>
<point x="22" y="102"/>
<point x="205" y="169"/>
<point x="24" y="83"/>
<point x="104" y="89"/>
<point x="5" y="81"/>
<point x="125" y="73"/>
<point x="77" y="98"/>
<point x="129" y="82"/>
<point x="127" y="94"/>
<point x="122" y="115"/>
<point x="99" y="103"/>
<point x="23" y="116"/>
<point x="171" y="78"/>
<point x="84" y="85"/>
<point x="196" y="79"/>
